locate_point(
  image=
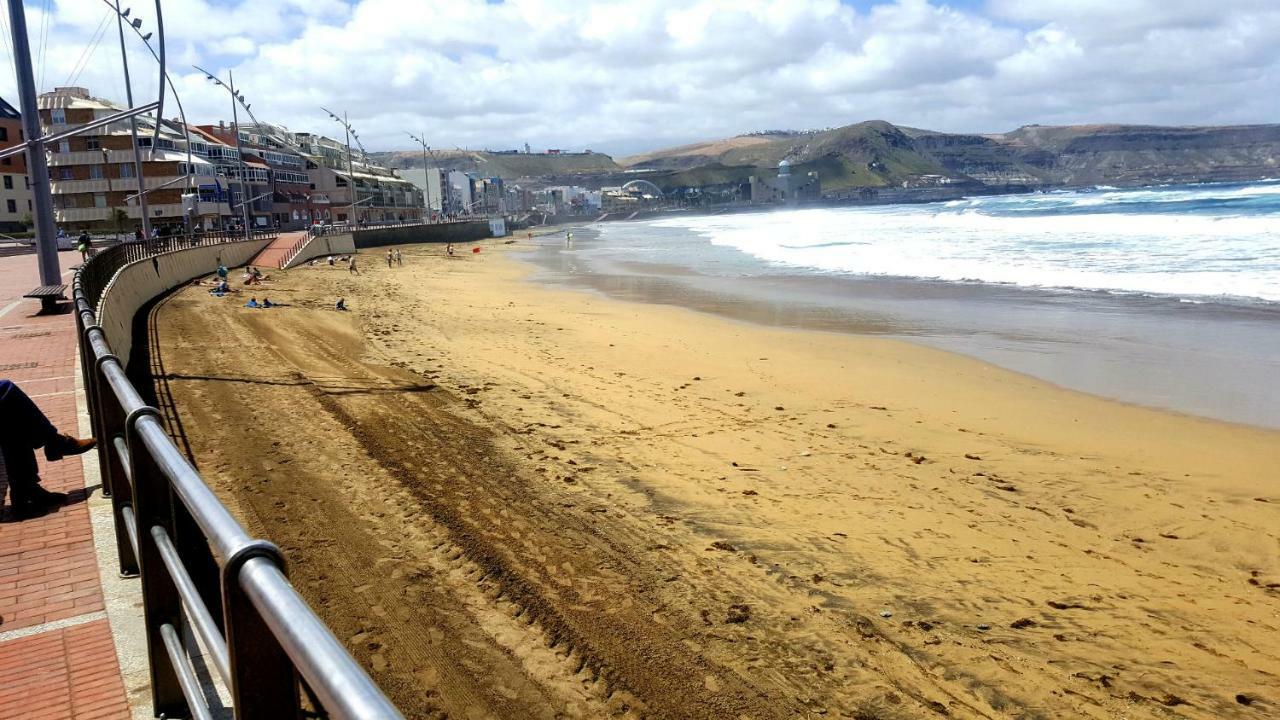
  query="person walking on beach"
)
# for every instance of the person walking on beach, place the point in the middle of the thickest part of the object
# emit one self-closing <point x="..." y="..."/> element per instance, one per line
<point x="399" y="258"/>
<point x="23" y="428"/>
<point x="390" y="257"/>
<point x="351" y="266"/>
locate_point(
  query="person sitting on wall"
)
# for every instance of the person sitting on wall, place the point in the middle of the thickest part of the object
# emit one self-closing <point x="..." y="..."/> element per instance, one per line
<point x="23" y="428"/>
<point x="253" y="303"/>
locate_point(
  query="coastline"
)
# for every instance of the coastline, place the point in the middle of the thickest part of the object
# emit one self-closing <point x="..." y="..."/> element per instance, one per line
<point x="907" y="528"/>
<point x="1203" y="359"/>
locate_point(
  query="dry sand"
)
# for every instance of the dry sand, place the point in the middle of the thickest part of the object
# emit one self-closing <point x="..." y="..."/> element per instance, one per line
<point x="514" y="501"/>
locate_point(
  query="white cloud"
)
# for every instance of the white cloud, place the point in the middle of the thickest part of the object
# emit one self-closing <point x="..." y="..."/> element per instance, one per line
<point x="626" y="74"/>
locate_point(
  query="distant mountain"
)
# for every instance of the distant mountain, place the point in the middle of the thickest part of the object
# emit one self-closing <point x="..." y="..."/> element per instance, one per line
<point x="878" y="154"/>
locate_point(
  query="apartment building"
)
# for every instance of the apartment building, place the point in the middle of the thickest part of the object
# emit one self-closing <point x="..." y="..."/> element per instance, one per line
<point x="93" y="177"/>
<point x="15" y="187"/>
<point x="380" y="194"/>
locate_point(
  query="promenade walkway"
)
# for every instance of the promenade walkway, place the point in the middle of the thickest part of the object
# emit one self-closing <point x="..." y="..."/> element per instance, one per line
<point x="57" y="655"/>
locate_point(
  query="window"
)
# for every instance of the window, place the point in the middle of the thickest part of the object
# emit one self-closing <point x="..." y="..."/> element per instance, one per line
<point x="95" y="172"/>
<point x="126" y="170"/>
<point x="99" y="200"/>
<point x="13" y="206"/>
<point x="59" y="116"/>
<point x="7" y="161"/>
<point x="64" y="146"/>
<point x="64" y="173"/>
<point x="4" y="134"/>
<point x="92" y="143"/>
<point x="8" y="182"/>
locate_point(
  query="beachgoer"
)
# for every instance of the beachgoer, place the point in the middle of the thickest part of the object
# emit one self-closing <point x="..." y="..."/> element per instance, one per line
<point x="266" y="303"/>
<point x="341" y="304"/>
<point x="399" y="258"/>
<point x="390" y="257"/>
<point x="222" y="271"/>
<point x="23" y="428"/>
<point x="330" y="261"/>
<point x="351" y="268"/>
<point x="448" y="248"/>
<point x="253" y="303"/>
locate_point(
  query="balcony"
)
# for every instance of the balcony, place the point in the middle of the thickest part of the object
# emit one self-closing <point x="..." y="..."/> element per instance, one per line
<point x="91" y="157"/>
<point x="72" y="187"/>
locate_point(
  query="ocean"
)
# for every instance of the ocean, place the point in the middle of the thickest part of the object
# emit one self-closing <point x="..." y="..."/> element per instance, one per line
<point x="1164" y="296"/>
<point x="1193" y="242"/>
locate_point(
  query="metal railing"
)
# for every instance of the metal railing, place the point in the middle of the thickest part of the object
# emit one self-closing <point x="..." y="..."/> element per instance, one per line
<point x="199" y="568"/>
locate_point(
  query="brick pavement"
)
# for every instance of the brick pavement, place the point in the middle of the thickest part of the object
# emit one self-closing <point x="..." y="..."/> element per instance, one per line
<point x="48" y="566"/>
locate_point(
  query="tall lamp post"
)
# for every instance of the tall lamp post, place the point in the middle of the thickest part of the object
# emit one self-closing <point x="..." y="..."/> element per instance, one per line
<point x="133" y="122"/>
<point x="236" y="100"/>
<point x="426" y="192"/>
<point x="351" y="173"/>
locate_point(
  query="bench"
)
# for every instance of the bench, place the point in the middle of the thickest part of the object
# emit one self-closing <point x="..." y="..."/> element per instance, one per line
<point x="48" y="295"/>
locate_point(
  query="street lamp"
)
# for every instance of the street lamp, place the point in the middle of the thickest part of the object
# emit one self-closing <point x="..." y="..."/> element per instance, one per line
<point x="236" y="99"/>
<point x="351" y="173"/>
<point x="426" y="192"/>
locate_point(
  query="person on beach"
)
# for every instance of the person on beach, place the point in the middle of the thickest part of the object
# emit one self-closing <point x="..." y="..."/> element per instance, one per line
<point x="222" y="271"/>
<point x="448" y="248"/>
<point x="253" y="303"/>
<point x="351" y="266"/>
<point x="399" y="258"/>
<point x="341" y="305"/>
<point x="23" y="428"/>
<point x="266" y="303"/>
<point x="390" y="257"/>
<point x="330" y="261"/>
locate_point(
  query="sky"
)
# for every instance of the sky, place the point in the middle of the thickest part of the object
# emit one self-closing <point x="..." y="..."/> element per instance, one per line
<point x="632" y="75"/>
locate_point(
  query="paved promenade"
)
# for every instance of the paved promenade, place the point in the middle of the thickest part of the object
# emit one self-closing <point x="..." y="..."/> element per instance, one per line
<point x="57" y="656"/>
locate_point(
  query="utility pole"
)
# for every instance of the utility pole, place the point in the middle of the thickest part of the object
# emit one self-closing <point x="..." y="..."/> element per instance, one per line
<point x="133" y="127"/>
<point x="37" y="167"/>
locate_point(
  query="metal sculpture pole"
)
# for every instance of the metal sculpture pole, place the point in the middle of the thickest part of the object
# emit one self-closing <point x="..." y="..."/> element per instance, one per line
<point x="133" y="127"/>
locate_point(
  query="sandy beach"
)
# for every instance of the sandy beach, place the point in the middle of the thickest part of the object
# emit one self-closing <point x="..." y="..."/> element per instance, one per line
<point x="513" y="501"/>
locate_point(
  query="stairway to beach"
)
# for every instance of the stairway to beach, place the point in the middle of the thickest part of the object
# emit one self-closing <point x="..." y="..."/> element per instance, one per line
<point x="275" y="253"/>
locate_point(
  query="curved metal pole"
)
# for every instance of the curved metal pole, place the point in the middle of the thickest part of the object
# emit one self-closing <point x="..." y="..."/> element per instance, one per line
<point x="133" y="129"/>
<point x="186" y="127"/>
<point x="160" y="59"/>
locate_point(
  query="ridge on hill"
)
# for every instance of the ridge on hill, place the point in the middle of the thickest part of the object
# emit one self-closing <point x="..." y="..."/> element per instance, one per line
<point x="878" y="154"/>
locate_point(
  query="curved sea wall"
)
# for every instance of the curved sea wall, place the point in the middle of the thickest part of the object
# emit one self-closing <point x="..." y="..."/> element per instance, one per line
<point x="138" y="283"/>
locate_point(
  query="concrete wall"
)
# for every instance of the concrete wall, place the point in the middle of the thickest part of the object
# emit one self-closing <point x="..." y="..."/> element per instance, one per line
<point x="321" y="246"/>
<point x="458" y="232"/>
<point x="138" y="283"/>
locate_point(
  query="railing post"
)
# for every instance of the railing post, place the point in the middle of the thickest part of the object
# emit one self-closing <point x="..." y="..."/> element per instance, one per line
<point x="199" y="561"/>
<point x="264" y="683"/>
<point x="114" y="477"/>
<point x="161" y="604"/>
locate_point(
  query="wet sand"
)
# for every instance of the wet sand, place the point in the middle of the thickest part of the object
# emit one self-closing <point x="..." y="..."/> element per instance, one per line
<point x="516" y="501"/>
<point x="1211" y="359"/>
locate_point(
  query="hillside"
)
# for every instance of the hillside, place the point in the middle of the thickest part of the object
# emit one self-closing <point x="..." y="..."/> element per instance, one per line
<point x="510" y="166"/>
<point x="878" y="154"/>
